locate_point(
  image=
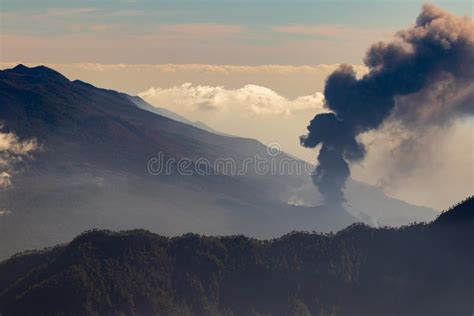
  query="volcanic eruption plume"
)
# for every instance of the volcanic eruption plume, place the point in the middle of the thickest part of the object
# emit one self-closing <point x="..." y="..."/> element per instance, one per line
<point x="424" y="77"/>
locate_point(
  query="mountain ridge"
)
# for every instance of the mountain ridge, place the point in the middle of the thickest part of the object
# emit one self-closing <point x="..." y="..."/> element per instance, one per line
<point x="421" y="269"/>
<point x="92" y="171"/>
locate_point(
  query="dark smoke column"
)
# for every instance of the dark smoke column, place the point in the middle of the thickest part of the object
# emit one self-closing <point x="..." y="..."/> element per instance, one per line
<point x="338" y="145"/>
<point x="437" y="53"/>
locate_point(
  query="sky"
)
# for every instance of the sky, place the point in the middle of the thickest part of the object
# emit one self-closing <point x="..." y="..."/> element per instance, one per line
<point x="204" y="32"/>
<point x="253" y="66"/>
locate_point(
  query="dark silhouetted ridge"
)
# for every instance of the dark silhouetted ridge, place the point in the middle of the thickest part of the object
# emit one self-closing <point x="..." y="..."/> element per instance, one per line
<point x="415" y="270"/>
<point x="38" y="71"/>
<point x="462" y="213"/>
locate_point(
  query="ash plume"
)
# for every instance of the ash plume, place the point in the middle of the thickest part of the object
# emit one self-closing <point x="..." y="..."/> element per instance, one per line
<point x="424" y="77"/>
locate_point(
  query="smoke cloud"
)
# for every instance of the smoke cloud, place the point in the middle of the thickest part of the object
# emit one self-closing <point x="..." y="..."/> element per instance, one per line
<point x="424" y="78"/>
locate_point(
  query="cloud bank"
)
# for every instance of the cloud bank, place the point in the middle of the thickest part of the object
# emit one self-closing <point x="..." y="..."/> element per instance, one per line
<point x="248" y="100"/>
<point x="289" y="81"/>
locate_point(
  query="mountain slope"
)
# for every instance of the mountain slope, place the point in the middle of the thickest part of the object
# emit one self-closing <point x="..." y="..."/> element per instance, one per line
<point x="416" y="270"/>
<point x="91" y="171"/>
<point x="170" y="114"/>
<point x="365" y="202"/>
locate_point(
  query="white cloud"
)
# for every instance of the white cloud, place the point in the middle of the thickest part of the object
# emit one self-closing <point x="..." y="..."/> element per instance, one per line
<point x="4" y="212"/>
<point x="248" y="100"/>
<point x="9" y="142"/>
<point x="252" y="111"/>
<point x="12" y="150"/>
<point x="5" y="179"/>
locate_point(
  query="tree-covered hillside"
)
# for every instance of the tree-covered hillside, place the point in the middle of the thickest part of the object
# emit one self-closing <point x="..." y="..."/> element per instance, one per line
<point x="423" y="269"/>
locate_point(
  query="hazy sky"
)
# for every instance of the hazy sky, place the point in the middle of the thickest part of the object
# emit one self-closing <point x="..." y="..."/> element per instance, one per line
<point x="209" y="32"/>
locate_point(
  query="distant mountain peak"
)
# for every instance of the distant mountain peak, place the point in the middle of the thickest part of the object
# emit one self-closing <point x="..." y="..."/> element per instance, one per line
<point x="20" y="68"/>
<point x="38" y="71"/>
